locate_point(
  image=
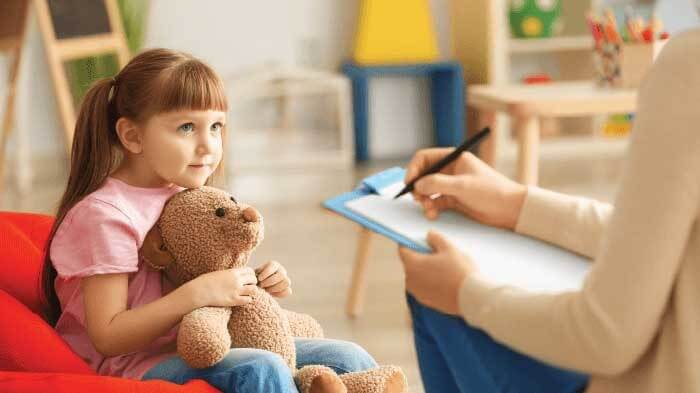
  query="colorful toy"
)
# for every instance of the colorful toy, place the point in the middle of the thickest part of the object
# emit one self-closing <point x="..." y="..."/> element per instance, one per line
<point x="618" y="125"/>
<point x="535" y="18"/>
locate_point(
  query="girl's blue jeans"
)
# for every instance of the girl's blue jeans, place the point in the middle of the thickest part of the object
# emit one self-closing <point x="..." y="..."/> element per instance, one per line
<point x="455" y="357"/>
<point x="245" y="370"/>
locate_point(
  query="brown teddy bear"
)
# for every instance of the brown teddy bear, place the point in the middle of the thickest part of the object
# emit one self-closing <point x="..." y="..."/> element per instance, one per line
<point x="205" y="229"/>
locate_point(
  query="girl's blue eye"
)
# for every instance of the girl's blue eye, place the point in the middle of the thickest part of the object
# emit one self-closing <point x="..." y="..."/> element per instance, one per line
<point x="216" y="127"/>
<point x="186" y="128"/>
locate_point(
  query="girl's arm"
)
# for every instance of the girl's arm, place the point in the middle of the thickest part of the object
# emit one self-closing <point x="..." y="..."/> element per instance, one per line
<point x="115" y="330"/>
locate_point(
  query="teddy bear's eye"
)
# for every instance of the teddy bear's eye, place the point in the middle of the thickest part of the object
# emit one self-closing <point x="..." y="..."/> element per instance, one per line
<point x="234" y="200"/>
<point x="220" y="212"/>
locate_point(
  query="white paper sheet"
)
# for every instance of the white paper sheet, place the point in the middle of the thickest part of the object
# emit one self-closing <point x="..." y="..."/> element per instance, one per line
<point x="501" y="256"/>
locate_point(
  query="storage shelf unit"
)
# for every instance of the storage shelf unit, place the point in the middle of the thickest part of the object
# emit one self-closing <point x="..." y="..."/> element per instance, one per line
<point x="554" y="44"/>
<point x="482" y="42"/>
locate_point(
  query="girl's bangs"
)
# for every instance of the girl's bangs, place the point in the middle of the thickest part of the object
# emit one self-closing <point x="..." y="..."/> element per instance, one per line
<point x="191" y="85"/>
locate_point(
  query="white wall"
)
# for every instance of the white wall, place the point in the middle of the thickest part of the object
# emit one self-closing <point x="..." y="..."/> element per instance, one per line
<point x="238" y="34"/>
<point x="235" y="35"/>
<point x="678" y="15"/>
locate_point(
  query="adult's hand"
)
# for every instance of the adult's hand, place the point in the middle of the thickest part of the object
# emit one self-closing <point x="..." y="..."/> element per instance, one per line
<point x="467" y="185"/>
<point x="434" y="279"/>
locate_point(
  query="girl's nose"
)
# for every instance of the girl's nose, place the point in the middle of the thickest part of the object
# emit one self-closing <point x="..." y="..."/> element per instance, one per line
<point x="204" y="147"/>
<point x="251" y="215"/>
<point x="207" y="143"/>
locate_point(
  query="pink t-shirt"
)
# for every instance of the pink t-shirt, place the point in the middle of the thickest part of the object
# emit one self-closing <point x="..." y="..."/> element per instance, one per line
<point x="102" y="234"/>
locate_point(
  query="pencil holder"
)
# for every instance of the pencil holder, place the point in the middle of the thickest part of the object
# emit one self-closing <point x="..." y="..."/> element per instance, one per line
<point x="625" y="64"/>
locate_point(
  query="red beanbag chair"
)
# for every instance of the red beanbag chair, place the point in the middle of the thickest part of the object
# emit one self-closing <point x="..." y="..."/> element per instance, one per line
<point x="17" y="382"/>
<point x="22" y="239"/>
<point x="28" y="343"/>
<point x="33" y="357"/>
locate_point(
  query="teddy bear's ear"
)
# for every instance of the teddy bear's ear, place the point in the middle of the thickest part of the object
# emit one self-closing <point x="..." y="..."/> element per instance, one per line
<point x="154" y="252"/>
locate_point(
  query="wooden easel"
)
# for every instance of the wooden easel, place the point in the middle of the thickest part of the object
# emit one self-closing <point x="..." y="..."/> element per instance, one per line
<point x="73" y="29"/>
<point x="13" y="26"/>
<point x="70" y="29"/>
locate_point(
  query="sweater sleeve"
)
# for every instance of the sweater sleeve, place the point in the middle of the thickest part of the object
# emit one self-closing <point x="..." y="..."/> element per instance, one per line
<point x="606" y="326"/>
<point x="573" y="223"/>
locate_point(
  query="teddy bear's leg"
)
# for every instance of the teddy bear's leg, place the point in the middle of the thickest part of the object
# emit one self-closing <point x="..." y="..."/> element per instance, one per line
<point x="261" y="324"/>
<point x="303" y="325"/>
<point x="203" y="338"/>
<point x="382" y="379"/>
<point x="318" y="379"/>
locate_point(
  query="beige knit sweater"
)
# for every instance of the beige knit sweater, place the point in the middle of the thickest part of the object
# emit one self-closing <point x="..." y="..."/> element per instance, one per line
<point x="635" y="325"/>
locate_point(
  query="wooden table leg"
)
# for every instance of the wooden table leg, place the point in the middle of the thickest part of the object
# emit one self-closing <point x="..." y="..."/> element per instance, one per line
<point x="358" y="284"/>
<point x="488" y="149"/>
<point x="528" y="131"/>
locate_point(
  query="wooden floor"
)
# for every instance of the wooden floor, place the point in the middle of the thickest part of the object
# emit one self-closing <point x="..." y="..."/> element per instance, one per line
<point x="318" y="248"/>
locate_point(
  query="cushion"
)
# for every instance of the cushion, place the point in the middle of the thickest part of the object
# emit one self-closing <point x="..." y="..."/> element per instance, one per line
<point x="44" y="351"/>
<point x="35" y="226"/>
<point x="22" y="239"/>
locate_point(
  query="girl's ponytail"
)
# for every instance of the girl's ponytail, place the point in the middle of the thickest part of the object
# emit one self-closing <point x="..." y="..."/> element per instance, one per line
<point x="93" y="155"/>
<point x="94" y="150"/>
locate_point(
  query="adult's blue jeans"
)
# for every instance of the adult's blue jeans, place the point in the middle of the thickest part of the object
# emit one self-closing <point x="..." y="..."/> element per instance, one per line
<point x="245" y="370"/>
<point x="456" y="357"/>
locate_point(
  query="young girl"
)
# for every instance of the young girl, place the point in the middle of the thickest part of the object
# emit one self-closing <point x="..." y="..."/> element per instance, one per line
<point x="151" y="131"/>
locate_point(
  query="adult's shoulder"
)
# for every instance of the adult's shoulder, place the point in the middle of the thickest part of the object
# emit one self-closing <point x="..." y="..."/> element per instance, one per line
<point x="680" y="54"/>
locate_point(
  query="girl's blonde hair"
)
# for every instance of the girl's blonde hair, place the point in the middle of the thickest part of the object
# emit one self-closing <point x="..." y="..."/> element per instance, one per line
<point x="155" y="81"/>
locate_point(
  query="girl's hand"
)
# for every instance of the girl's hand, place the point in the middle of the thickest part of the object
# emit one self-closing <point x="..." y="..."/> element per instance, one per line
<point x="467" y="185"/>
<point x="273" y="278"/>
<point x="224" y="288"/>
<point x="435" y="279"/>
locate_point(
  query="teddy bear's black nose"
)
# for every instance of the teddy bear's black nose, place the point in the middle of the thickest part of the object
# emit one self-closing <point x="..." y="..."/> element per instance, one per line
<point x="220" y="212"/>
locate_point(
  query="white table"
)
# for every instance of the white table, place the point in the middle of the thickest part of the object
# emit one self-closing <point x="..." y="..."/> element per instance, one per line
<point x="527" y="104"/>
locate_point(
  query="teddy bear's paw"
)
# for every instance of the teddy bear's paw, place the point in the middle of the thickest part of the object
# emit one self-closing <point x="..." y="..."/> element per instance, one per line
<point x="318" y="379"/>
<point x="382" y="379"/>
<point x="327" y="383"/>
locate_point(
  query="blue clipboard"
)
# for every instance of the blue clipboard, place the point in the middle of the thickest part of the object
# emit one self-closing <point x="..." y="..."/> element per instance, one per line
<point x="372" y="185"/>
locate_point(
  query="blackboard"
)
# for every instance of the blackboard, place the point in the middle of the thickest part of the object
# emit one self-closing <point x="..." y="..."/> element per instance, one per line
<point x="78" y="18"/>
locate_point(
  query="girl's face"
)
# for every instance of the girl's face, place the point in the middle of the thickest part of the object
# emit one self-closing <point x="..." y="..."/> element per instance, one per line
<point x="184" y="147"/>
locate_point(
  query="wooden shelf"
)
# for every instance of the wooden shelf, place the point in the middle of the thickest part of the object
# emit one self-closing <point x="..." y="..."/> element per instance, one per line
<point x="482" y="42"/>
<point x="555" y="44"/>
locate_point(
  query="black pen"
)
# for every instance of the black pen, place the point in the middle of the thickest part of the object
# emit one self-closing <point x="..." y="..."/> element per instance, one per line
<point x="471" y="142"/>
